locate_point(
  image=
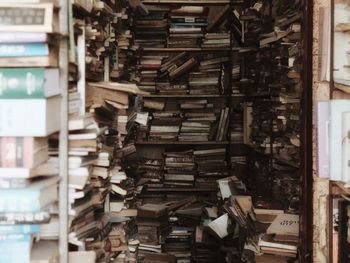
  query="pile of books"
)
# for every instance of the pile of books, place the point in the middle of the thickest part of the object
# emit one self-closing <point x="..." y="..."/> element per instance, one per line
<point x="204" y="82"/>
<point x="150" y="171"/>
<point x="205" y="247"/>
<point x="164" y="128"/>
<point x="178" y="243"/>
<point x="237" y="124"/>
<point x="151" y="29"/>
<point x="216" y="40"/>
<point x="276" y="113"/>
<point x="99" y="38"/>
<point x="179" y="169"/>
<point x="211" y="165"/>
<point x="148" y="72"/>
<point x="30" y="113"/>
<point x="195" y="120"/>
<point x="281" y="237"/>
<point x="153" y="227"/>
<point x="187" y="24"/>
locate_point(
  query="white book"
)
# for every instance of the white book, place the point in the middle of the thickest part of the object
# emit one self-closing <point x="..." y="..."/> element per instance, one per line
<point x="346" y="148"/>
<point x="284" y="224"/>
<point x="32" y="117"/>
<point x="220" y="226"/>
<point x="337" y="108"/>
<point x="82" y="256"/>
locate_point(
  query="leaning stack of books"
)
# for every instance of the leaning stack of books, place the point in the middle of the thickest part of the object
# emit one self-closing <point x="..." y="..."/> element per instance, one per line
<point x="29" y="113"/>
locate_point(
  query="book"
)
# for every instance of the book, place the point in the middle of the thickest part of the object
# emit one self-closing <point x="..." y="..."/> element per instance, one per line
<point x="98" y="95"/>
<point x="19" y="229"/>
<point x="79" y="256"/>
<point x="285" y="224"/>
<point x="28" y="17"/>
<point x="10" y="245"/>
<point x="18" y="116"/>
<point x="32" y="199"/>
<point x="15" y="218"/>
<point x="27" y="83"/>
<point x="26" y="152"/>
<point x="44" y="169"/>
<point x="23" y="37"/>
<point x="336" y="109"/>
<point x="44" y="251"/>
<point x="220" y="226"/>
<point x="346" y="148"/>
<point x="151" y="210"/>
<point x="24" y="50"/>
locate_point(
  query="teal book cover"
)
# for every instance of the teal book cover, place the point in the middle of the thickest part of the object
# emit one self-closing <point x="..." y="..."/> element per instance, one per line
<point x="24" y="50"/>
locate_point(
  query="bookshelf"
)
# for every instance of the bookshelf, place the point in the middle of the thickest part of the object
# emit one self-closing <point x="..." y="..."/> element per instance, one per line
<point x="233" y="49"/>
<point x="193" y="2"/>
<point x="186" y="190"/>
<point x="176" y="96"/>
<point x="181" y="143"/>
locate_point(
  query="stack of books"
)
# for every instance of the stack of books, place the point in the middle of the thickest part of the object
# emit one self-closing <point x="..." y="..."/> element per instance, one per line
<point x="216" y="40"/>
<point x="196" y="120"/>
<point x="151" y="29"/>
<point x="187" y="24"/>
<point x="195" y="131"/>
<point x="178" y="243"/>
<point x="281" y="237"/>
<point x="211" y="165"/>
<point x="179" y="169"/>
<point x="205" y="82"/>
<point x="148" y="72"/>
<point x="151" y="172"/>
<point x="236" y="124"/>
<point x="29" y="113"/>
<point x="164" y="128"/>
<point x="205" y="246"/>
<point x="153" y="227"/>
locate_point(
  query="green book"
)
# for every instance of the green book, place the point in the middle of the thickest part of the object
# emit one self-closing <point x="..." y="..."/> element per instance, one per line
<point x="28" y="83"/>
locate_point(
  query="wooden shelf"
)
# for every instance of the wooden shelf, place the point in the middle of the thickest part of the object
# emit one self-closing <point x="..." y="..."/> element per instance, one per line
<point x="168" y="96"/>
<point x="175" y="96"/>
<point x="184" y="189"/>
<point x="196" y="49"/>
<point x="193" y="2"/>
<point x="181" y="142"/>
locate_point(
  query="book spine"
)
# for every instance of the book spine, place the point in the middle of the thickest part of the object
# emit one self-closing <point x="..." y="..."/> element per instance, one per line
<point x="22" y="83"/>
<point x="24" y="50"/>
<point x="10" y="238"/>
<point x="15" y="200"/>
<point x="6" y="183"/>
<point x="15" y="248"/>
<point x="188" y="20"/>
<point x="22" y="37"/>
<point x="19" y="229"/>
<point x="188" y="25"/>
<point x="24" y="218"/>
<point x="16" y="152"/>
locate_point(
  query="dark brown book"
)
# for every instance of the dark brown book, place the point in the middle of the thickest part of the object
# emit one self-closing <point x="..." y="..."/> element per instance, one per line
<point x="152" y="210"/>
<point x="184" y="68"/>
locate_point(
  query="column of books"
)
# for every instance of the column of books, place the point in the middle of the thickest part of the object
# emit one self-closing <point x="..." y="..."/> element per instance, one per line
<point x="274" y="90"/>
<point x="29" y="112"/>
<point x="101" y="194"/>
